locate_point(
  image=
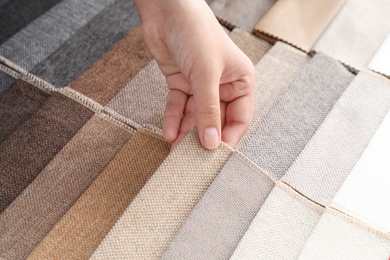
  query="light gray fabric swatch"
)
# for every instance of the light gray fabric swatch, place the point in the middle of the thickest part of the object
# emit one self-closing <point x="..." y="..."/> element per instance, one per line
<point x="219" y="220"/>
<point x="5" y="81"/>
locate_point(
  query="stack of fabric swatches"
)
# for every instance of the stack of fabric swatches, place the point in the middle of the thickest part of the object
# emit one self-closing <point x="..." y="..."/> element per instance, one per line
<point x="85" y="171"/>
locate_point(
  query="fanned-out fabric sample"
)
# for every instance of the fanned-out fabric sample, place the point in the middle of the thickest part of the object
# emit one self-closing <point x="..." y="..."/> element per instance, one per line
<point x="291" y="122"/>
<point x="299" y="22"/>
<point x="38" y="208"/>
<point x="365" y="192"/>
<point x="224" y="213"/>
<point x="381" y="61"/>
<point x="5" y="81"/>
<point x="357" y="32"/>
<point x="241" y="13"/>
<point x="164" y="203"/>
<point x="337" y="145"/>
<point x="280" y="228"/>
<point x="85" y="225"/>
<point x="26" y="152"/>
<point x="338" y="236"/>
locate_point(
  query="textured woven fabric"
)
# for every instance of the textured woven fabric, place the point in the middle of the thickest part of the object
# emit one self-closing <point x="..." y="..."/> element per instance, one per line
<point x="281" y="227"/>
<point x="336" y="238"/>
<point x="17" y="104"/>
<point x="243" y="14"/>
<point x="380" y="62"/>
<point x="45" y="34"/>
<point x="114" y="70"/>
<point x="5" y="81"/>
<point x="2" y="2"/>
<point x="329" y="157"/>
<point x="38" y="208"/>
<point x="298" y="113"/>
<point x="143" y="98"/>
<point x="274" y="73"/>
<point x="252" y="46"/>
<point x="34" y="144"/>
<point x="84" y="226"/>
<point x="220" y="219"/>
<point x="152" y="219"/>
<point x="88" y="44"/>
<point x="356" y="32"/>
<point x="299" y="22"/>
<point x="366" y="190"/>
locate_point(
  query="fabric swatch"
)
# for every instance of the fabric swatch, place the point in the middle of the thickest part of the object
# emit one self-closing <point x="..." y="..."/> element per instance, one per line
<point x="85" y="225"/>
<point x="223" y="214"/>
<point x="366" y="190"/>
<point x="45" y="34"/>
<point x="35" y="143"/>
<point x="253" y="47"/>
<point x="330" y="155"/>
<point x="357" y="31"/>
<point x="2" y="2"/>
<point x="243" y="14"/>
<point x="281" y="227"/>
<point x="88" y="44"/>
<point x="152" y="219"/>
<point x="38" y="208"/>
<point x="103" y="80"/>
<point x="5" y="81"/>
<point x="298" y="22"/>
<point x="337" y="238"/>
<point x="17" y="104"/>
<point x="143" y="99"/>
<point x="297" y="114"/>
<point x="380" y="62"/>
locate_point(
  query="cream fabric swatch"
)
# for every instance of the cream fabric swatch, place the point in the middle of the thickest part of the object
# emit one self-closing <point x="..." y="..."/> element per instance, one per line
<point x="381" y="61"/>
<point x="337" y="145"/>
<point x="152" y="219"/>
<point x="366" y="191"/>
<point x="299" y="22"/>
<point x="280" y="228"/>
<point x="336" y="238"/>
<point x="356" y="32"/>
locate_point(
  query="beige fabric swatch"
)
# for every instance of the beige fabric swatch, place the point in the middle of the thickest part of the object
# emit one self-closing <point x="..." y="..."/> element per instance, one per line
<point x="85" y="225"/>
<point x="299" y="22"/>
<point x="152" y="219"/>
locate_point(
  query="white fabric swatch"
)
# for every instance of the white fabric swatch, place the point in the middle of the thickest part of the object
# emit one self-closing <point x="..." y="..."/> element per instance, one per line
<point x="381" y="61"/>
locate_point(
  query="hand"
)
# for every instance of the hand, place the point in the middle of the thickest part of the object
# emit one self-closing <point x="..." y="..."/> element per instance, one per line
<point x="211" y="82"/>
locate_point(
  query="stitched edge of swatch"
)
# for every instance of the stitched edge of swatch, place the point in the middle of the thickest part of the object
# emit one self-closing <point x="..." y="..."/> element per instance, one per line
<point x="151" y="132"/>
<point x="226" y="24"/>
<point x="116" y="122"/>
<point x="351" y="69"/>
<point x="273" y="39"/>
<point x="253" y="166"/>
<point x="9" y="71"/>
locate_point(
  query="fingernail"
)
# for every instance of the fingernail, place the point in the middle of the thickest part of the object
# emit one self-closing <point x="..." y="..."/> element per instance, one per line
<point x="210" y="138"/>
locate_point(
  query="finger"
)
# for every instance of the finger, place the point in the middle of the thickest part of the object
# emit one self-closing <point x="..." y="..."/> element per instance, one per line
<point x="187" y="122"/>
<point x="176" y="102"/>
<point x="223" y="106"/>
<point x="179" y="82"/>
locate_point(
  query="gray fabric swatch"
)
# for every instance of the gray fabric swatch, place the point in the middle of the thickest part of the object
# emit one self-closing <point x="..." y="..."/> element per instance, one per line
<point x="5" y="81"/>
<point x="298" y="113"/>
<point x="219" y="220"/>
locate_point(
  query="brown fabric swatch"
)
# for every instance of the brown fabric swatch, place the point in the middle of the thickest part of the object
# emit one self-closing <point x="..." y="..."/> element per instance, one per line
<point x="114" y="69"/>
<point x="39" y="207"/>
<point x="34" y="144"/>
<point x="299" y="22"/>
<point x="85" y="225"/>
<point x="17" y="104"/>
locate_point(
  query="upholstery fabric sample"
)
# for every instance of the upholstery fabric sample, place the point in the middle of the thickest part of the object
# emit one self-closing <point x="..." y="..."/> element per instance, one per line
<point x="366" y="191"/>
<point x="356" y="32"/>
<point x="113" y="71"/>
<point x="45" y="34"/>
<point x="243" y="14"/>
<point x="157" y="212"/>
<point x="299" y="22"/>
<point x="18" y="13"/>
<point x="35" y="143"/>
<point x="38" y="208"/>
<point x="337" y="238"/>
<point x="17" y="104"/>
<point x="252" y="46"/>
<point x="223" y="214"/>
<point x="380" y="62"/>
<point x="133" y="102"/>
<point x="5" y="81"/>
<point x="85" y="225"/>
<point x="281" y="227"/>
<point x="337" y="145"/>
<point x="274" y="73"/>
<point x="2" y="2"/>
<point x="88" y="44"/>
<point x="295" y="117"/>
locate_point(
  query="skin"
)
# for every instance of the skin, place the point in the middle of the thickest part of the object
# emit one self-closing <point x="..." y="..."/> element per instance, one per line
<point x="210" y="80"/>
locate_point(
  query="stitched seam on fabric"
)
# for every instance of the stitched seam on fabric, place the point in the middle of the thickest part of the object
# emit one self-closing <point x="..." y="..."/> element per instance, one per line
<point x="378" y="75"/>
<point x="153" y="128"/>
<point x="226" y="24"/>
<point x="9" y="71"/>
<point x="253" y="166"/>
<point x="121" y="118"/>
<point x="4" y="61"/>
<point x="350" y="68"/>
<point x="151" y="132"/>
<point x="273" y="38"/>
<point x="116" y="123"/>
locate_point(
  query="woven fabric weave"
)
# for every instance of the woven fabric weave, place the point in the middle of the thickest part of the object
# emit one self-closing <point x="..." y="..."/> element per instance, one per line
<point x="380" y="63"/>
<point x="5" y="81"/>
